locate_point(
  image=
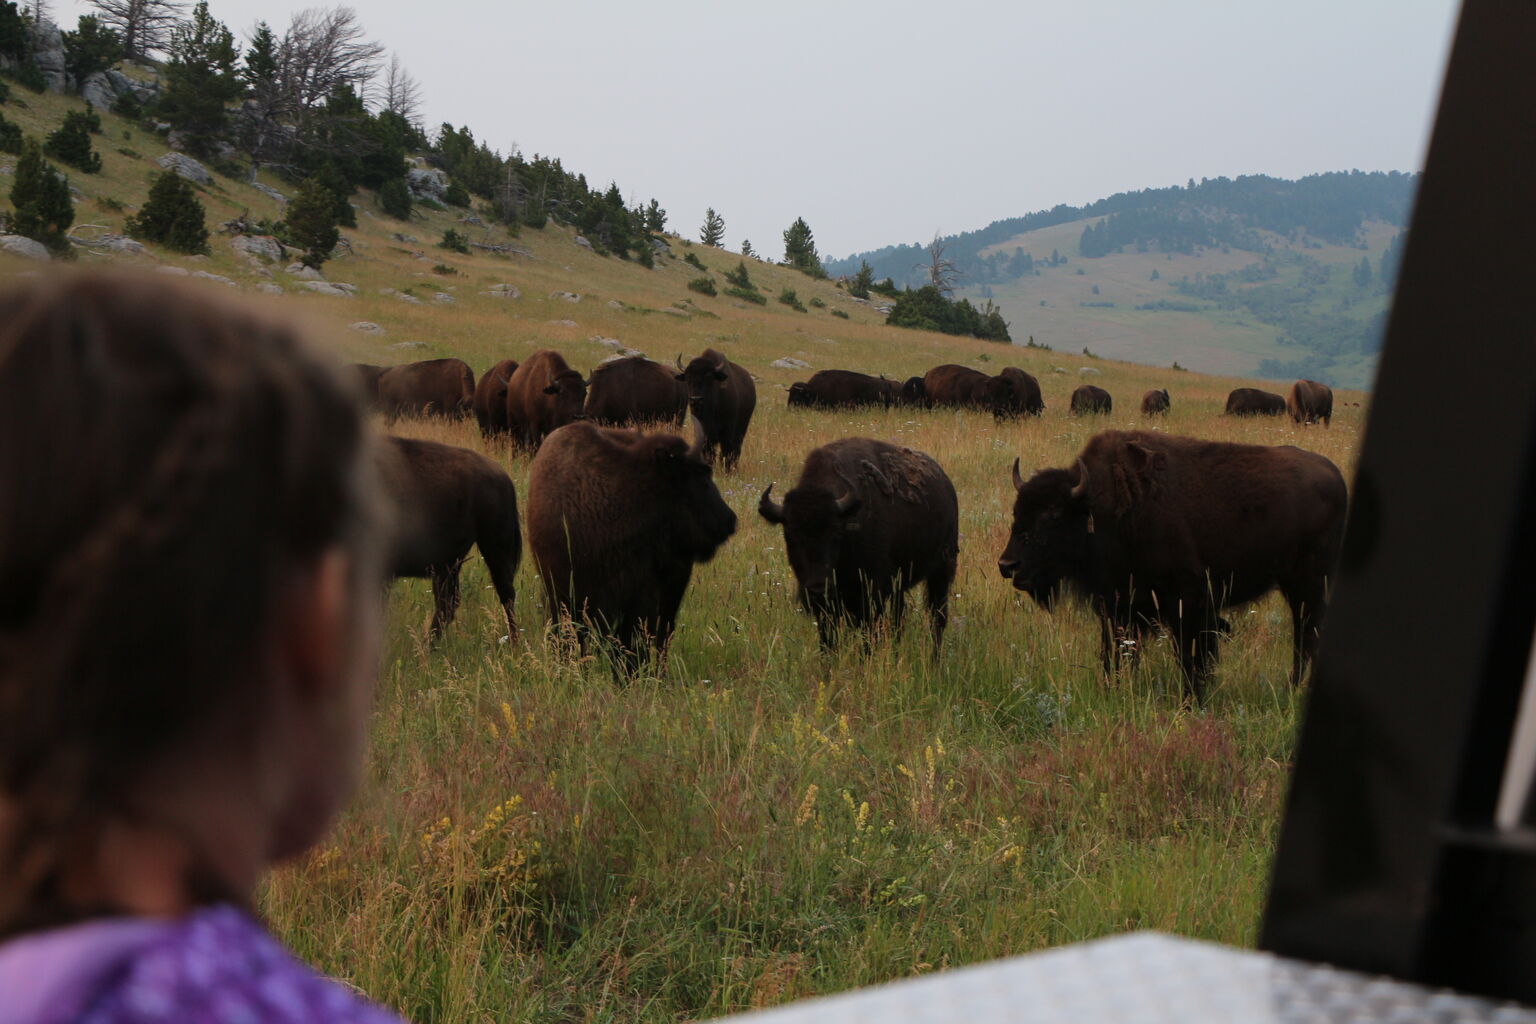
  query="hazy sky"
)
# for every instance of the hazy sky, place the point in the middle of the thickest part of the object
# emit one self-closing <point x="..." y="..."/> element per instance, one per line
<point x="883" y="123"/>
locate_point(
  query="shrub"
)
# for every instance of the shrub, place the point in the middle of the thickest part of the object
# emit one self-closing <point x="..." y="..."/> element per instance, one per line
<point x="109" y="204"/>
<point x="42" y="209"/>
<point x="702" y="285"/>
<point x="71" y="144"/>
<point x="738" y="277"/>
<point x="454" y="242"/>
<point x="790" y="299"/>
<point x="5" y="91"/>
<point x="87" y="119"/>
<point x="750" y="295"/>
<point x="395" y="199"/>
<point x="645" y="255"/>
<point x="817" y="302"/>
<point x="840" y="314"/>
<point x="887" y="288"/>
<point x="30" y="76"/>
<point x="444" y="269"/>
<point x="693" y="260"/>
<point x="127" y="105"/>
<point x="457" y="195"/>
<point x="312" y="222"/>
<point x="172" y="216"/>
<point x="10" y="136"/>
<point x="131" y="154"/>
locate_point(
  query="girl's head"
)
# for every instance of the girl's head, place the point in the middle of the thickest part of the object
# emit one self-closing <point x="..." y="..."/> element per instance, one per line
<point x="188" y="581"/>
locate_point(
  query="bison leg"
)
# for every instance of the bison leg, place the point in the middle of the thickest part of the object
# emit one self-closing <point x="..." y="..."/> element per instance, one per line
<point x="1197" y="633"/>
<point x="938" y="604"/>
<point x="1308" y="601"/>
<point x="445" y="597"/>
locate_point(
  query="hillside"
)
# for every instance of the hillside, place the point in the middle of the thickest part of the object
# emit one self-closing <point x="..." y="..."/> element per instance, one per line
<point x="1135" y="276"/>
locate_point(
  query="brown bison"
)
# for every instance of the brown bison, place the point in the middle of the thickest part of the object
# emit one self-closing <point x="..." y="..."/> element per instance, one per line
<point x="445" y="501"/>
<point x="914" y="392"/>
<point x="843" y="389"/>
<point x="490" y="401"/>
<point x="867" y="522"/>
<point x="1309" y="401"/>
<point x="543" y="395"/>
<point x="1014" y="393"/>
<point x="1090" y="398"/>
<point x="721" y="397"/>
<point x="956" y="386"/>
<point x="635" y="390"/>
<point x="616" y="521"/>
<point x="1253" y="402"/>
<point x="432" y="387"/>
<point x="368" y="380"/>
<point x="1153" y="528"/>
<point x="1155" y="402"/>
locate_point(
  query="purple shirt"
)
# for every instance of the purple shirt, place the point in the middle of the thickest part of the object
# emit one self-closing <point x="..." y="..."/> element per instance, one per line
<point x="214" y="966"/>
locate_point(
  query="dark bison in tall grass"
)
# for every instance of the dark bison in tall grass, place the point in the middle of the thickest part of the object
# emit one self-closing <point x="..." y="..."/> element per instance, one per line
<point x="1254" y="402"/>
<point x="1155" y="402"/>
<point x="843" y="389"/>
<point x="616" y="521"/>
<point x="721" y="397"/>
<point x="432" y="387"/>
<point x="1014" y="393"/>
<point x="634" y="390"/>
<point x="866" y="522"/>
<point x="1309" y="402"/>
<point x="914" y="392"/>
<point x="543" y="395"/>
<point x="446" y="500"/>
<point x="956" y="386"/>
<point x="1090" y="399"/>
<point x="1153" y="528"/>
<point x="490" y="402"/>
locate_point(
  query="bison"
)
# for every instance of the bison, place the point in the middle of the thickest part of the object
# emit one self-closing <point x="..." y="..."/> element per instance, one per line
<point x="1014" y="393"/>
<point x="1253" y="402"/>
<point x="721" y="397"/>
<point x="957" y="386"/>
<point x="914" y="392"/>
<point x="1309" y="401"/>
<point x="866" y="522"/>
<point x="616" y="521"/>
<point x="1154" y="528"/>
<point x="635" y="390"/>
<point x="1155" y="402"/>
<point x="1090" y="398"/>
<point x="843" y="389"/>
<point x="490" y="401"/>
<point x="543" y="395"/>
<point x="432" y="387"/>
<point x="367" y="376"/>
<point x="446" y="500"/>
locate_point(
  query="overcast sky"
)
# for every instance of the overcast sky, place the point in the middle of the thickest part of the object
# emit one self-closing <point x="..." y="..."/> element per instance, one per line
<point x="882" y="123"/>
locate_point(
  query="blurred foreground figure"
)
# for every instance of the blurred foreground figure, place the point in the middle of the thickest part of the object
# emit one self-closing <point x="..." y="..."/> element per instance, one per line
<point x="189" y="586"/>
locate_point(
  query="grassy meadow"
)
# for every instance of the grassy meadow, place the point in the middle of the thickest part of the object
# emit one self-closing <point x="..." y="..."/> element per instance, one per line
<point x="757" y="822"/>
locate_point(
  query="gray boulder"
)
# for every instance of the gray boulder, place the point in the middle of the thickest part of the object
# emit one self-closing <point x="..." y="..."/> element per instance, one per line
<point x="269" y="191"/>
<point x="215" y="278"/>
<point x="790" y="363"/>
<point x="443" y="298"/>
<point x="186" y="167"/>
<point x="337" y="290"/>
<point x="566" y="296"/>
<point x="304" y="273"/>
<point x="20" y="245"/>
<point x="268" y="288"/>
<point x="97" y="90"/>
<point x="583" y="242"/>
<point x="48" y="52"/>
<point x="258" y="248"/>
<point x="367" y="327"/>
<point x="503" y="291"/>
<point x="427" y="183"/>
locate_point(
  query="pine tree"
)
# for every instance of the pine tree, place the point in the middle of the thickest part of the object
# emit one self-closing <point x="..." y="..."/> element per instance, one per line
<point x="200" y="79"/>
<point x="800" y="249"/>
<point x="40" y="199"/>
<point x="746" y="248"/>
<point x="172" y="216"/>
<point x="859" y="287"/>
<point x="655" y="217"/>
<point x="70" y="143"/>
<point x="395" y="199"/>
<point x="259" y="126"/>
<point x="337" y="184"/>
<point x="92" y="47"/>
<point x="311" y="222"/>
<point x="10" y="136"/>
<point x="713" y="231"/>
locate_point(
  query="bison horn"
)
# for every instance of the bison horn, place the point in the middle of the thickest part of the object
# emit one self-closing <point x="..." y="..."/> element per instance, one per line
<point x="1080" y="489"/>
<point x="847" y="503"/>
<point x="719" y="361"/>
<point x="680" y="365"/>
<point x="770" y="509"/>
<point x="1018" y="481"/>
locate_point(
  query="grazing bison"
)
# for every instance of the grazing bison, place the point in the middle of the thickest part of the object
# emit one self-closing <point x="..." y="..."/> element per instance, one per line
<point x="1152" y="528"/>
<point x="1253" y="402"/>
<point x="432" y="387"/>
<point x="1090" y="398"/>
<point x="914" y="392"/>
<point x="866" y="522"/>
<point x="635" y="390"/>
<point x="843" y="389"/>
<point x="721" y="397"/>
<point x="543" y="395"/>
<point x="445" y="501"/>
<point x="956" y="386"/>
<point x="1155" y="402"/>
<point x="368" y="380"/>
<point x="1309" y="401"/>
<point x="490" y="402"/>
<point x="616" y="521"/>
<point x="1014" y="393"/>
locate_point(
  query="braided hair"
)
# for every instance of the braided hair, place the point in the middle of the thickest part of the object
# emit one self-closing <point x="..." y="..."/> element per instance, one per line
<point x="167" y="462"/>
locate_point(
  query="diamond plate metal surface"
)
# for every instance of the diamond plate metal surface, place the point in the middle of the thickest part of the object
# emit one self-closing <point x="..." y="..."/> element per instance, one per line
<point x="1147" y="979"/>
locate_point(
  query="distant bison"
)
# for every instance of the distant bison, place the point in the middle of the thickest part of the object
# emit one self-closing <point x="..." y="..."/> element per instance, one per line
<point x="1014" y="393"/>
<point x="951" y="384"/>
<point x="616" y="521"/>
<point x="721" y="397"/>
<point x="843" y="389"/>
<point x="1149" y="527"/>
<point x="367" y="376"/>
<point x="1253" y="402"/>
<point x="445" y="501"/>
<point x="490" y="402"/>
<point x="914" y="392"/>
<point x="1309" y="402"/>
<point x="867" y="522"/>
<point x="1155" y="402"/>
<point x="634" y="390"/>
<point x="433" y="387"/>
<point x="543" y="395"/>
<point x="1090" y="398"/>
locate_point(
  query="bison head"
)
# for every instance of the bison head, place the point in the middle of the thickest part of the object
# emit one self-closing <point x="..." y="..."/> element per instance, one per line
<point x="569" y="394"/>
<point x="700" y="519"/>
<point x="705" y="378"/>
<point x="1002" y="396"/>
<point x="914" y="391"/>
<point x="815" y="521"/>
<point x="1051" y="542"/>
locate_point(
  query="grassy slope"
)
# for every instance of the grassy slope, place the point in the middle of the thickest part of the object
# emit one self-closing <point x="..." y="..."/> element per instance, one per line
<point x="760" y="822"/>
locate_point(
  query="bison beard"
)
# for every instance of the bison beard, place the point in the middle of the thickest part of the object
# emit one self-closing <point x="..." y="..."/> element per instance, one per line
<point x="866" y="522"/>
<point x="1153" y="528"/>
<point x="616" y="521"/>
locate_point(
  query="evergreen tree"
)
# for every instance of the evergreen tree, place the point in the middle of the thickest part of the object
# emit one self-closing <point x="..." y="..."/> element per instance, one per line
<point x="90" y="48"/>
<point x="338" y="186"/>
<point x="655" y="218"/>
<point x="172" y="216"/>
<point x="200" y="79"/>
<point x="395" y="199"/>
<point x="70" y="143"/>
<point x="859" y="286"/>
<point x="259" y="133"/>
<point x="41" y="208"/>
<point x="10" y="136"/>
<point x="800" y="249"/>
<point x="713" y="231"/>
<point x="311" y="222"/>
<point x="457" y="195"/>
<point x="746" y="248"/>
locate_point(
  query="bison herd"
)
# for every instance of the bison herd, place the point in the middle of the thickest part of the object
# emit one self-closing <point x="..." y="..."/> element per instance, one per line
<point x="1154" y="532"/>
